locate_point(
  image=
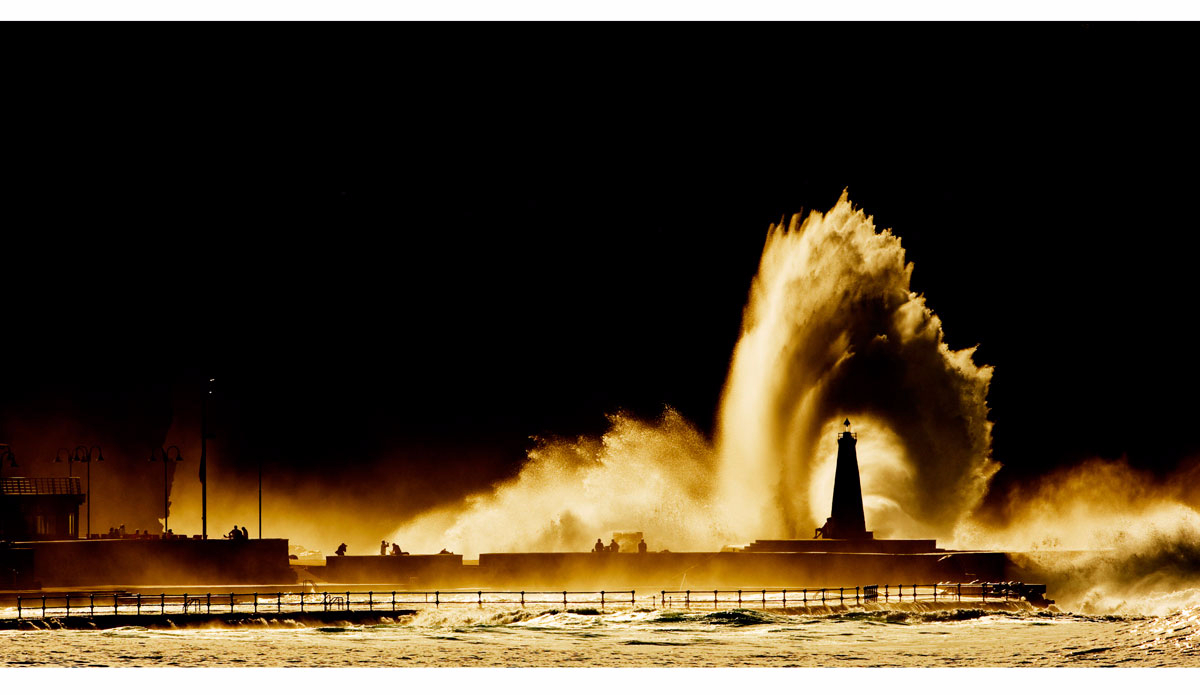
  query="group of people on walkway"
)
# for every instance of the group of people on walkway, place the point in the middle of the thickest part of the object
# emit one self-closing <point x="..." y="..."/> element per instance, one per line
<point x="615" y="547"/>
<point x="383" y="549"/>
<point x="238" y="534"/>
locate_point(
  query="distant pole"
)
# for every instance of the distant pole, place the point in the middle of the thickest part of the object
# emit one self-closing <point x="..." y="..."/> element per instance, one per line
<point x="260" y="498"/>
<point x="86" y="457"/>
<point x="204" y="463"/>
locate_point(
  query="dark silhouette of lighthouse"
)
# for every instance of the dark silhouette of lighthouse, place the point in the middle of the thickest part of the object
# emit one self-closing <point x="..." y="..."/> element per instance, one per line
<point x="846" y="518"/>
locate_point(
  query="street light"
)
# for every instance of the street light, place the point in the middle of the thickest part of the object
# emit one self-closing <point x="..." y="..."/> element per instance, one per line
<point x="166" y="455"/>
<point x="204" y="437"/>
<point x="86" y="457"/>
<point x="6" y="454"/>
<point x="70" y="458"/>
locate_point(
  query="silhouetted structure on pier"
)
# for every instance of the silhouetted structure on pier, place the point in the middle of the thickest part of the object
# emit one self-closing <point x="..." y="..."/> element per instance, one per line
<point x="846" y="518"/>
<point x="39" y="509"/>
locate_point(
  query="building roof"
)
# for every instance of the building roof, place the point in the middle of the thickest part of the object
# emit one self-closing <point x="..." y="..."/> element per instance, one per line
<point x="40" y="486"/>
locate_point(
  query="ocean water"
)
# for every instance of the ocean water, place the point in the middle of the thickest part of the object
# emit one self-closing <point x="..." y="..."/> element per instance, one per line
<point x="639" y="637"/>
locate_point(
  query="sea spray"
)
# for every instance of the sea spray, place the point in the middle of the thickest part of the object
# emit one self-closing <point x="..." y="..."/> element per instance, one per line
<point x="1107" y="539"/>
<point x="655" y="477"/>
<point x="833" y="329"/>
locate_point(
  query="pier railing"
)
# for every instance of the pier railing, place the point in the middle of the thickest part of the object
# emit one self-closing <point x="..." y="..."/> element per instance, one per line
<point x="857" y="595"/>
<point x="117" y="603"/>
<point x="109" y="603"/>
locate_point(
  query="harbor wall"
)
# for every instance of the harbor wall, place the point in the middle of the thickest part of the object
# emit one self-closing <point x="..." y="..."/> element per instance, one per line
<point x="582" y="571"/>
<point x="160" y="562"/>
<point x="414" y="571"/>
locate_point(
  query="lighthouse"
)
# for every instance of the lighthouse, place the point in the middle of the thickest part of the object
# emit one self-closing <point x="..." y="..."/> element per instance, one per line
<point x="846" y="518"/>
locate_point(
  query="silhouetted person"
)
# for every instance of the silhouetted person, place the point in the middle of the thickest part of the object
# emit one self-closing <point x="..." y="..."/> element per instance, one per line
<point x="642" y="545"/>
<point x="599" y="547"/>
<point x="383" y="547"/>
<point x="341" y="550"/>
<point x="614" y="547"/>
<point x="395" y="549"/>
<point x="245" y="534"/>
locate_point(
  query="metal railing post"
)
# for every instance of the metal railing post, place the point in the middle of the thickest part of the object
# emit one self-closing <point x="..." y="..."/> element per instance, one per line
<point x="208" y="603"/>
<point x="162" y="603"/>
<point x="714" y="598"/>
<point x="564" y="598"/>
<point x="255" y="612"/>
<point x="115" y="604"/>
<point x="436" y="598"/>
<point x="185" y="604"/>
<point x="278" y="601"/>
<point x="857" y="601"/>
<point x="785" y="598"/>
<point x="602" y="599"/>
<point x="885" y="593"/>
<point x="479" y="596"/>
<point x="92" y="605"/>
<point x="633" y="597"/>
<point x="325" y="601"/>
<point x="348" y="610"/>
<point x="370" y="601"/>
<point x="842" y="594"/>
<point x="687" y="599"/>
<point x="393" y="601"/>
<point x="139" y="604"/>
<point x="804" y="596"/>
<point x="764" y="598"/>
<point x="43" y="605"/>
<point x="231" y="602"/>
<point x="68" y="605"/>
<point x="18" y="608"/>
<point x="739" y="598"/>
<point x="522" y="598"/>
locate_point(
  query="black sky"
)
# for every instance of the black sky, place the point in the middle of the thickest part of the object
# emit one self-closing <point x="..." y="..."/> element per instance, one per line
<point x="421" y="245"/>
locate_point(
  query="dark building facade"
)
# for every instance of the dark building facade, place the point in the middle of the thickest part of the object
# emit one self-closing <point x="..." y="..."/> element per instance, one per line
<point x="39" y="509"/>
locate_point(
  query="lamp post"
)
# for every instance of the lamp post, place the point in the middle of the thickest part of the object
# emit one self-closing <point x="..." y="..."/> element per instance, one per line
<point x="86" y="457"/>
<point x="6" y="454"/>
<point x="204" y="437"/>
<point x="166" y="455"/>
<point x="70" y="458"/>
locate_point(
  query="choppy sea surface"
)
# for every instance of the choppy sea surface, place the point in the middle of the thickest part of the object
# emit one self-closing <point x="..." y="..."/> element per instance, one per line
<point x="643" y="637"/>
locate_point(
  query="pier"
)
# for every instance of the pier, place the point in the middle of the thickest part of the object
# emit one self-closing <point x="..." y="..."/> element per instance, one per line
<point x="101" y="610"/>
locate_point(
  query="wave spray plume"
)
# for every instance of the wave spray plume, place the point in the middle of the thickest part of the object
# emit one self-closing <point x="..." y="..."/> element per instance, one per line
<point x="832" y="329"/>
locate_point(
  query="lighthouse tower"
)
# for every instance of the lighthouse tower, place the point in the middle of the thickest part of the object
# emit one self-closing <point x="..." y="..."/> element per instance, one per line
<point x="846" y="518"/>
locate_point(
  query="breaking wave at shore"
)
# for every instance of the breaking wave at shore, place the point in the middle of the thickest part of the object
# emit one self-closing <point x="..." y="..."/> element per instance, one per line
<point x="832" y="329"/>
